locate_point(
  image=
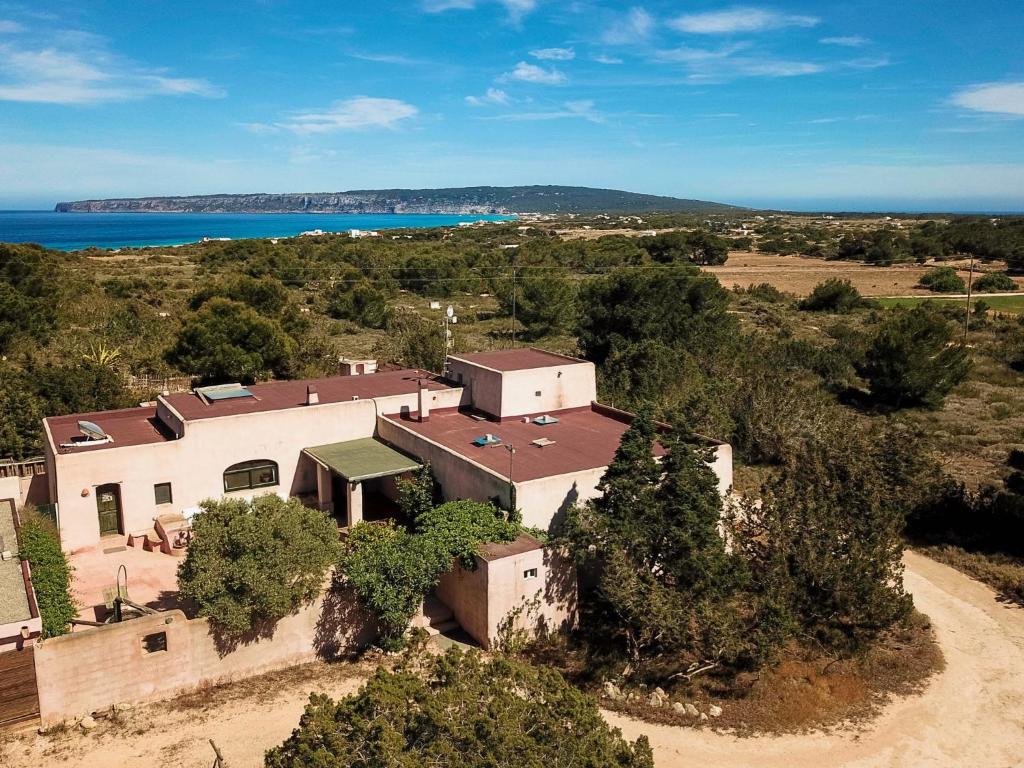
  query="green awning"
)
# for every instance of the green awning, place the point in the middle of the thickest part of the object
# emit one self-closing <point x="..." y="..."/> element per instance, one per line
<point x="362" y="459"/>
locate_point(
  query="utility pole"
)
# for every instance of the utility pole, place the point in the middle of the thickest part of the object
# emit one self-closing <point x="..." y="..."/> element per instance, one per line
<point x="513" y="301"/>
<point x="967" y="316"/>
<point x="511" y="486"/>
<point x="449" y="317"/>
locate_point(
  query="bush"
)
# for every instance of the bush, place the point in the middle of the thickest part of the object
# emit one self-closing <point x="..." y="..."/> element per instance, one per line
<point x="39" y="543"/>
<point x="994" y="282"/>
<point x="251" y="563"/>
<point x="833" y="295"/>
<point x="943" y="280"/>
<point x="911" y="359"/>
<point x="459" y="710"/>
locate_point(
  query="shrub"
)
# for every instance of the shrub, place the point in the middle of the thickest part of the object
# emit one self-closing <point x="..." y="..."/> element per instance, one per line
<point x="943" y="280"/>
<point x="833" y="295"/>
<point x="994" y="282"/>
<point x="39" y="543"/>
<point x="252" y="563"/>
<point x="911" y="359"/>
<point x="459" y="710"/>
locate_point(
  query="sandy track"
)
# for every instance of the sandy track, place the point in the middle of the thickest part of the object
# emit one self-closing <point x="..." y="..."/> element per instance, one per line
<point x="972" y="714"/>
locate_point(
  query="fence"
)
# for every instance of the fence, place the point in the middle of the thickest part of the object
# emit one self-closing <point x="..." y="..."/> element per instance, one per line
<point x="146" y="384"/>
<point x="25" y="468"/>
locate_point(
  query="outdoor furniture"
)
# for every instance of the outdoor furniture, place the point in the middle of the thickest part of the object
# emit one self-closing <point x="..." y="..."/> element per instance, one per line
<point x="486" y="440"/>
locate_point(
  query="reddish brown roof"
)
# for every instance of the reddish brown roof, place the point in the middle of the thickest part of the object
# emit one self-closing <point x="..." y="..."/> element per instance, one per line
<point x="585" y="438"/>
<point x="278" y="395"/>
<point x="130" y="426"/>
<point x="496" y="551"/>
<point x="518" y="359"/>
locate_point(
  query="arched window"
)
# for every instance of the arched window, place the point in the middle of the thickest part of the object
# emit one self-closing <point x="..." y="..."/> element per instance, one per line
<point x="261" y="473"/>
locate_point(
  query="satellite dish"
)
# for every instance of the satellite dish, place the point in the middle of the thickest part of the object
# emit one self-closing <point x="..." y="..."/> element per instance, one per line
<point x="91" y="430"/>
<point x="450" y="311"/>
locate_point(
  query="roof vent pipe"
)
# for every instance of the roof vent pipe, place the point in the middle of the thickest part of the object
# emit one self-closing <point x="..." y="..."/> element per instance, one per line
<point x="312" y="396"/>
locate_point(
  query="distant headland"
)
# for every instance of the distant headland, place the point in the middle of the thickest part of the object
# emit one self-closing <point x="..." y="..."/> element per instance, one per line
<point x="456" y="200"/>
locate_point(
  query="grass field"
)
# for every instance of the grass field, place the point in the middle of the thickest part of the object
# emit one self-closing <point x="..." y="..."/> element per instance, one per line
<point x="1009" y="303"/>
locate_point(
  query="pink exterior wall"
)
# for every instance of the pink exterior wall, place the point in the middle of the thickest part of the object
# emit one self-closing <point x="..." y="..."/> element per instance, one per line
<point x="504" y="394"/>
<point x="95" y="668"/>
<point x="573" y="385"/>
<point x="545" y="501"/>
<point x="194" y="465"/>
<point x="488" y="597"/>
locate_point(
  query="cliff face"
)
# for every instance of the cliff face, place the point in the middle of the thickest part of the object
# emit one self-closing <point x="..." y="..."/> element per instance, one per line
<point x="463" y="201"/>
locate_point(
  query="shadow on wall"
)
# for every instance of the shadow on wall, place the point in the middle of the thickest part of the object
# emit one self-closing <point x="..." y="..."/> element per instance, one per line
<point x="560" y="586"/>
<point x="344" y="628"/>
<point x="558" y="519"/>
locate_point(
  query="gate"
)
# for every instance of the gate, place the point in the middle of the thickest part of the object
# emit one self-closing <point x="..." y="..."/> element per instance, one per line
<point x="19" y="698"/>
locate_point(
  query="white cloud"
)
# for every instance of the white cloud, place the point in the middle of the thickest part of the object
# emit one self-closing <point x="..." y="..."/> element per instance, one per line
<point x="634" y="27"/>
<point x="553" y="54"/>
<point x="605" y="59"/>
<point x="516" y="9"/>
<point x="996" y="98"/>
<point x="740" y="19"/>
<point x="8" y="27"/>
<point x="493" y="97"/>
<point x="87" y="76"/>
<point x="351" y="115"/>
<point x="531" y="73"/>
<point x="847" y="41"/>
<point x="581" y="110"/>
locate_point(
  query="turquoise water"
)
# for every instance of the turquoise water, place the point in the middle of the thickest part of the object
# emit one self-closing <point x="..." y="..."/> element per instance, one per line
<point x="72" y="231"/>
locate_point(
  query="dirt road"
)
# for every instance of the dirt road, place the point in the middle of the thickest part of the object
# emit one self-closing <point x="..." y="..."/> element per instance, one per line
<point x="972" y="714"/>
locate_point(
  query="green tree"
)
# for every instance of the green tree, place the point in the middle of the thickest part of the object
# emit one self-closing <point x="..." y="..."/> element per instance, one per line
<point x="417" y="495"/>
<point x="545" y="300"/>
<point x="360" y="301"/>
<point x="21" y="415"/>
<point x="251" y="563"/>
<point x="88" y="386"/>
<point x="266" y="295"/>
<point x="680" y="307"/>
<point x="414" y="341"/>
<point x="943" y="280"/>
<point x="664" y="581"/>
<point x="912" y="360"/>
<point x="229" y="341"/>
<point x="459" y="710"/>
<point x="823" y="543"/>
<point x="833" y="295"/>
<point x="995" y="282"/>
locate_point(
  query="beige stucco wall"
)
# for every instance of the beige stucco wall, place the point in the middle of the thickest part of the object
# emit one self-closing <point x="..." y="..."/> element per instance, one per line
<point x="573" y="385"/>
<point x="95" y="668"/>
<point x="545" y="501"/>
<point x="459" y="477"/>
<point x="483" y="385"/>
<point x="194" y="465"/>
<point x="498" y="593"/>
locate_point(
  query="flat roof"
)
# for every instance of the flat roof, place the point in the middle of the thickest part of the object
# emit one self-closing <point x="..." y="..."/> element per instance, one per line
<point x="521" y="359"/>
<point x="128" y="426"/>
<point x="498" y="550"/>
<point x="584" y="438"/>
<point x="280" y="395"/>
<point x="362" y="459"/>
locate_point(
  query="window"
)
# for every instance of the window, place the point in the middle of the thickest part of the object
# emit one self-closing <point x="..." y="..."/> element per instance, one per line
<point x="162" y="493"/>
<point x="250" y="474"/>
<point x="537" y="393"/>
<point x="530" y="573"/>
<point x="155" y="642"/>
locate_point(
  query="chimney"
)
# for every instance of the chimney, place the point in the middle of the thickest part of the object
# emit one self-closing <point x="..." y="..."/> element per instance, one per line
<point x="423" y="402"/>
<point x="312" y="398"/>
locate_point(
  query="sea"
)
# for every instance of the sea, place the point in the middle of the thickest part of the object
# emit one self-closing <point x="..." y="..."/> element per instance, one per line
<point x="75" y="231"/>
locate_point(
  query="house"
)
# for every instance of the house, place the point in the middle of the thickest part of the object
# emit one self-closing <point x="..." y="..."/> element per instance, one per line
<point x="517" y="426"/>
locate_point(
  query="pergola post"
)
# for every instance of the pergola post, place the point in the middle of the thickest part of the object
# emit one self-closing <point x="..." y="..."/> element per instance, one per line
<point x="355" y="503"/>
<point x="324" y="496"/>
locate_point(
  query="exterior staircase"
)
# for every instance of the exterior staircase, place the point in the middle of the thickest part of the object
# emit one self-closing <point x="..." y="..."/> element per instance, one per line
<point x="168" y="535"/>
<point x="437" y="617"/>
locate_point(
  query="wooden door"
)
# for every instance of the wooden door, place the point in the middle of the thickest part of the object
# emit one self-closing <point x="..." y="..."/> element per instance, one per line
<point x="108" y="507"/>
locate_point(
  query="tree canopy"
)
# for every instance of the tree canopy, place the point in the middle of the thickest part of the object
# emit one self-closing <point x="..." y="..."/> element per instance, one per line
<point x="459" y="709"/>
<point x="251" y="563"/>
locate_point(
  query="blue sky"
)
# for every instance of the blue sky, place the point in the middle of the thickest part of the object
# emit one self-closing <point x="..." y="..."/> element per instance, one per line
<point x="917" y="104"/>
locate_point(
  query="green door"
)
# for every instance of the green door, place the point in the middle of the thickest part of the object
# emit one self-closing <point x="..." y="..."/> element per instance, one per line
<point x="108" y="506"/>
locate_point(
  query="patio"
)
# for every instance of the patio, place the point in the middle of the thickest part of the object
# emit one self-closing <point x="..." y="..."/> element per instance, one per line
<point x="152" y="578"/>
